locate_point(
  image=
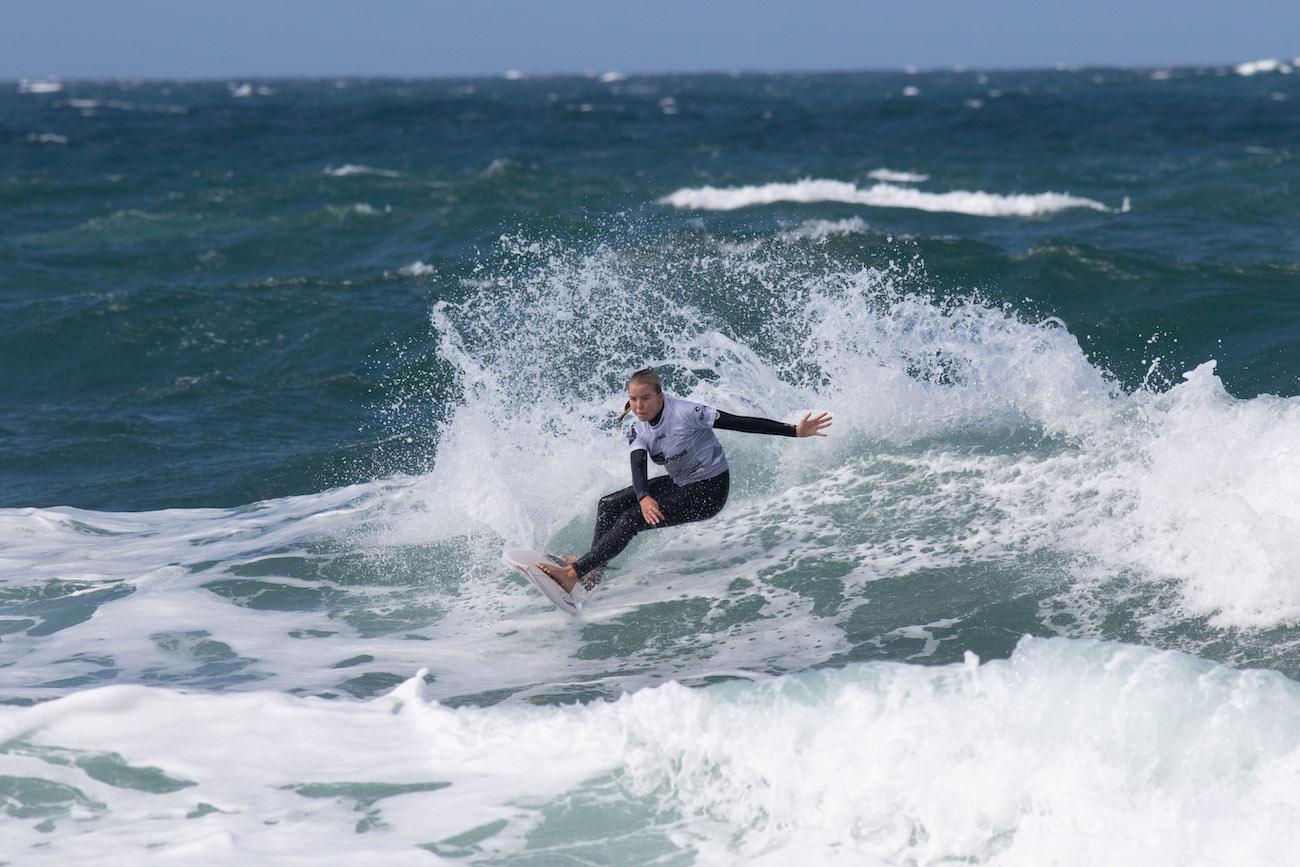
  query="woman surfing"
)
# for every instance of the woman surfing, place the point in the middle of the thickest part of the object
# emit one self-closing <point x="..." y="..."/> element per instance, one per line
<point x="679" y="436"/>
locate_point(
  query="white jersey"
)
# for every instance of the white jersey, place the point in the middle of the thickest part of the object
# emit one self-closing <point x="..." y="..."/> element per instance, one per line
<point x="683" y="442"/>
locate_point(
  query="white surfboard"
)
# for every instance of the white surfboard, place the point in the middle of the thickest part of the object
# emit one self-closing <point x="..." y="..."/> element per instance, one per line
<point x="525" y="561"/>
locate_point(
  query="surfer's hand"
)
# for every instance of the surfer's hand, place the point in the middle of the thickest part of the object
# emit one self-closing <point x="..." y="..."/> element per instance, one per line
<point x="812" y="427"/>
<point x="650" y="510"/>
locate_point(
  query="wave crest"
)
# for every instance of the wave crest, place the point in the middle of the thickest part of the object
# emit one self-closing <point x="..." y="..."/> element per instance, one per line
<point x="880" y="195"/>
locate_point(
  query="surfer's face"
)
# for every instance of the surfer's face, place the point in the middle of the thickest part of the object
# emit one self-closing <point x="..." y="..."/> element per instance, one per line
<point x="646" y="400"/>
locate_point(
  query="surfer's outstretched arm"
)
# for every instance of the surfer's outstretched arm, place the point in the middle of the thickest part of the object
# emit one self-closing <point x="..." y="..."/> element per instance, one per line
<point x="807" y="426"/>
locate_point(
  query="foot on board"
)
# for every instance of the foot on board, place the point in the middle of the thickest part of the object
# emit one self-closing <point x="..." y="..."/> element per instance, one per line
<point x="565" y="576"/>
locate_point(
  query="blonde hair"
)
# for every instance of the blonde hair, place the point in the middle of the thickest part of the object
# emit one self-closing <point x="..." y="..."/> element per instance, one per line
<point x="644" y="376"/>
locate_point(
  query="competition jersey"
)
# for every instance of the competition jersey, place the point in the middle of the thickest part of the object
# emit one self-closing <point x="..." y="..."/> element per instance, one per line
<point x="683" y="442"/>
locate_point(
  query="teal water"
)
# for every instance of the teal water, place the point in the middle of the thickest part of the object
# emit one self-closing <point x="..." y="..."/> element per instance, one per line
<point x="287" y="363"/>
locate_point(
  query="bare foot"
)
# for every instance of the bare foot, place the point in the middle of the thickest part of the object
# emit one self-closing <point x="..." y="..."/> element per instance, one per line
<point x="566" y="577"/>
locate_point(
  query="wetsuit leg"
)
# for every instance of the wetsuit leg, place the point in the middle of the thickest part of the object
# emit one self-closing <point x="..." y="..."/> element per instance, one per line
<point x="680" y="505"/>
<point x="608" y="510"/>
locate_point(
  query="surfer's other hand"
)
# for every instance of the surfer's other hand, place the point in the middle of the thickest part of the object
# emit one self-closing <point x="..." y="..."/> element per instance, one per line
<point x="812" y="427"/>
<point x="650" y="510"/>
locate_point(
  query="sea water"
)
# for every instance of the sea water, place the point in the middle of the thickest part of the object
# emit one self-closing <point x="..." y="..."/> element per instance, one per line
<point x="288" y="363"/>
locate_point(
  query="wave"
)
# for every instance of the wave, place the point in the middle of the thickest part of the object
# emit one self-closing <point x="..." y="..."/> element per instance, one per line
<point x="1007" y="762"/>
<point x="897" y="177"/>
<point x="417" y="269"/>
<point x="1256" y="67"/>
<point x="497" y="167"/>
<point x="245" y="90"/>
<point x="1164" y="490"/>
<point x="39" y="85"/>
<point x="90" y="107"/>
<point x="882" y="195"/>
<point x="353" y="169"/>
<point x="357" y="209"/>
<point x="817" y="230"/>
<point x="987" y="450"/>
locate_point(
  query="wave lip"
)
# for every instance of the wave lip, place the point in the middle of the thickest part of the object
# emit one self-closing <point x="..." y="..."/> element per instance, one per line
<point x="881" y="195"/>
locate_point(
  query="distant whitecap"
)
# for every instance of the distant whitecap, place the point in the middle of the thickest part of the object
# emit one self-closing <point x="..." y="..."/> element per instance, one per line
<point x="897" y="177"/>
<point x="881" y="195"/>
<point x="344" y="171"/>
<point x="40" y="85"/>
<point x="1268" y="64"/>
<point x="417" y="269"/>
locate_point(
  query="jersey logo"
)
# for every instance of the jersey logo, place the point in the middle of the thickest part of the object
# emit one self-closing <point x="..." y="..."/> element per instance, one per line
<point x="660" y="459"/>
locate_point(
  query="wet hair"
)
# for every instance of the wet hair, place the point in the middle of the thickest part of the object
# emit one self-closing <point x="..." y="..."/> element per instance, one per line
<point x="644" y="376"/>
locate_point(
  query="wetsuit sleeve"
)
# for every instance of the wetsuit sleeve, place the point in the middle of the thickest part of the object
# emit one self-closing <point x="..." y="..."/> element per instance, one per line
<point x="753" y="424"/>
<point x="634" y="440"/>
<point x="640" y="474"/>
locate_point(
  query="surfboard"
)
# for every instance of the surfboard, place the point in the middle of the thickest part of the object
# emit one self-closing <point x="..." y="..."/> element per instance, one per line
<point x="524" y="560"/>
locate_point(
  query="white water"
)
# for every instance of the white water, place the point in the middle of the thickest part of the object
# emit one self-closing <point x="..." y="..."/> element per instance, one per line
<point x="1123" y="755"/>
<point x="880" y="195"/>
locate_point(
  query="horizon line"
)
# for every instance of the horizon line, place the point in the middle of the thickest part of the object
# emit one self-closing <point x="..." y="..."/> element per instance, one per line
<point x="523" y="75"/>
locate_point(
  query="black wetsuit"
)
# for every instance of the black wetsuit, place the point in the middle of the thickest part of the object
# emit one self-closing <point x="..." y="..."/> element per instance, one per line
<point x="618" y="515"/>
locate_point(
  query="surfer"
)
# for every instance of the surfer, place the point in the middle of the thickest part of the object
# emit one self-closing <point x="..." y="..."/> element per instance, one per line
<point x="678" y="435"/>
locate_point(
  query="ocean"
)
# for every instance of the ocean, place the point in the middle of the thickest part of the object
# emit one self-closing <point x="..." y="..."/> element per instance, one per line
<point x="287" y="364"/>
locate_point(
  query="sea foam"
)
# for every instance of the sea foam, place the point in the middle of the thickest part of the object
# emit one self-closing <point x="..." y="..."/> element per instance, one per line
<point x="1165" y="488"/>
<point x="1127" y="755"/>
<point x="880" y="195"/>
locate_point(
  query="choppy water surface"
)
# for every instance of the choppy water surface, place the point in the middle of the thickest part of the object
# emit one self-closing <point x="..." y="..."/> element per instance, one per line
<point x="288" y="363"/>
